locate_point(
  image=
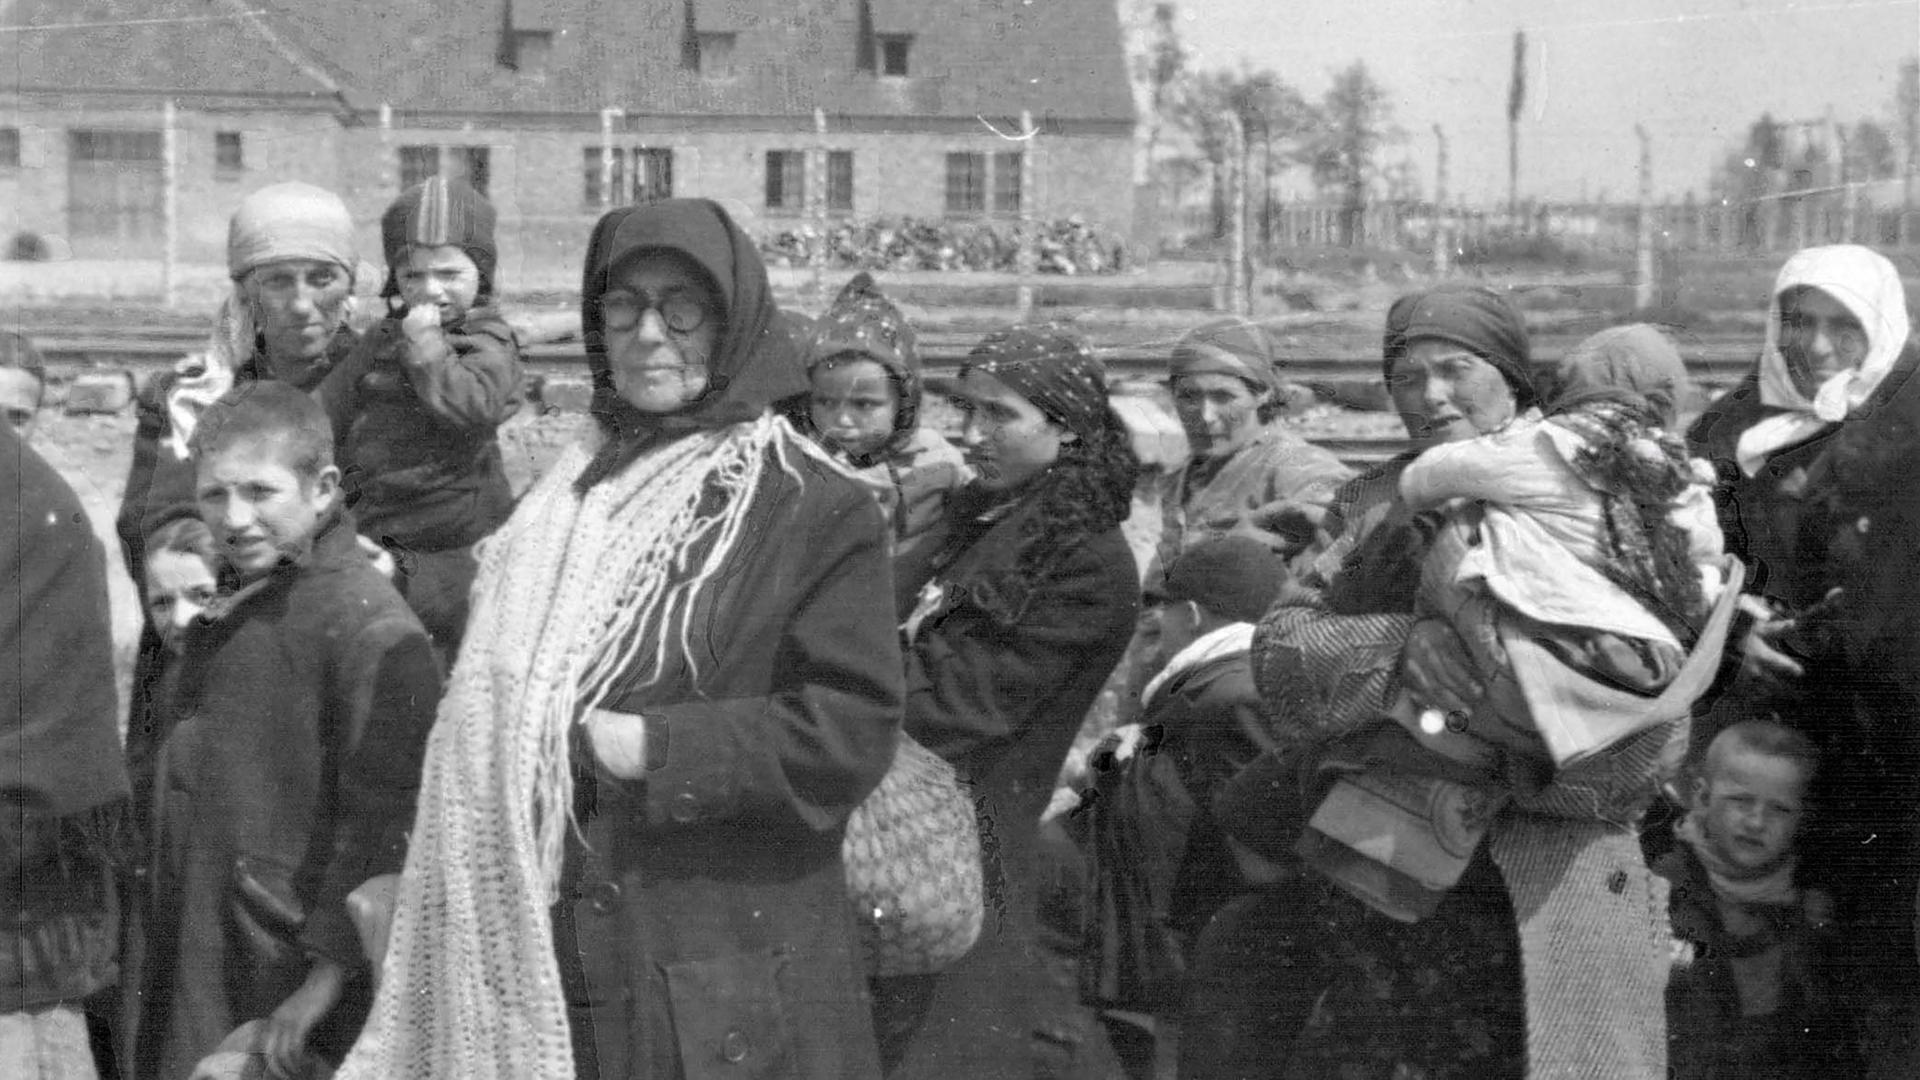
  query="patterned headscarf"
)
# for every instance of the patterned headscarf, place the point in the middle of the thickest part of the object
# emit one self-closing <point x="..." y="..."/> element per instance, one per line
<point x="862" y="323"/>
<point x="1053" y="368"/>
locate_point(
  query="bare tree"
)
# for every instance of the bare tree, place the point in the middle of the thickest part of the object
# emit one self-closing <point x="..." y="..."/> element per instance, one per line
<point x="1355" y="124"/>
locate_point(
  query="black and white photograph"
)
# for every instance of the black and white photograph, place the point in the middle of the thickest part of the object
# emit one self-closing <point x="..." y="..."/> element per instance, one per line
<point x="959" y="540"/>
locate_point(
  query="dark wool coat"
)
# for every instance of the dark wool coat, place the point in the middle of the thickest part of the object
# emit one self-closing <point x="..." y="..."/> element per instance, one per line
<point x="1160" y="865"/>
<point x="1002" y="700"/>
<point x="1807" y="1033"/>
<point x="1836" y="511"/>
<point x="704" y="928"/>
<point x="414" y="427"/>
<point x="415" y="438"/>
<point x="63" y="784"/>
<point x="1765" y="516"/>
<point x="160" y="490"/>
<point x="287" y="779"/>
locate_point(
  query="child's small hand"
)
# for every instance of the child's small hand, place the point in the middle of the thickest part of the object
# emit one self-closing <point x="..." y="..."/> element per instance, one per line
<point x="422" y="321"/>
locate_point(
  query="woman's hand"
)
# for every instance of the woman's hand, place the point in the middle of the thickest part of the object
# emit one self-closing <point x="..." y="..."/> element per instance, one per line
<point x="1436" y="669"/>
<point x="619" y="742"/>
<point x="284" y="1039"/>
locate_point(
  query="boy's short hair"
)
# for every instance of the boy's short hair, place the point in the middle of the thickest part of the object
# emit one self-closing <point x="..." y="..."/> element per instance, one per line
<point x="16" y="351"/>
<point x="1768" y="738"/>
<point x="267" y="409"/>
<point x="183" y="536"/>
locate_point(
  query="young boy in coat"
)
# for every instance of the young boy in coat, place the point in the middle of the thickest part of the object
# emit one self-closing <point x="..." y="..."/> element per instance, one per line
<point x="418" y="405"/>
<point x="1752" y="994"/>
<point x="295" y="731"/>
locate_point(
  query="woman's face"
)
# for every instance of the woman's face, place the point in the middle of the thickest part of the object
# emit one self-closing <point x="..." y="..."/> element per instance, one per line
<point x="1445" y="393"/>
<point x="1221" y="413"/>
<point x="1009" y="440"/>
<point x="1819" y="338"/>
<point x="297" y="305"/>
<point x="662" y="318"/>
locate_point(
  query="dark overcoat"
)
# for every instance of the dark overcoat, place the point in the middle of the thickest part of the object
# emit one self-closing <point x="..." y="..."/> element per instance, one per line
<point x="999" y="688"/>
<point x="287" y="779"/>
<point x="704" y="928"/>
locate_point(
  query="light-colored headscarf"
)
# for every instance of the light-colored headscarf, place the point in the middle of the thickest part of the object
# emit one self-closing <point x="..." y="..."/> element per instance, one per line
<point x="1868" y="286"/>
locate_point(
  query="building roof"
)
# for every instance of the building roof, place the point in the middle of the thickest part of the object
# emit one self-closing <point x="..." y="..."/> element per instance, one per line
<point x="995" y="58"/>
<point x="185" y="47"/>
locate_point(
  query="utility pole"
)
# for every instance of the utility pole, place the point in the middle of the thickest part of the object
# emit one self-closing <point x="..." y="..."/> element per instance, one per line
<point x="1442" y="236"/>
<point x="1516" y="100"/>
<point x="817" y="196"/>
<point x="170" y="189"/>
<point x="1025" y="260"/>
<point x="1643" y="263"/>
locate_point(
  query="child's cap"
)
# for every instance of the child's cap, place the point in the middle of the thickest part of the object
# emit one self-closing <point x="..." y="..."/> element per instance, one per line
<point x="1235" y="576"/>
<point x="439" y="213"/>
<point x="862" y="320"/>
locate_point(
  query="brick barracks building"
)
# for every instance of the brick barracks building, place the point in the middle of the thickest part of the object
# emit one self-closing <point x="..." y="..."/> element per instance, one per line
<point x="128" y="125"/>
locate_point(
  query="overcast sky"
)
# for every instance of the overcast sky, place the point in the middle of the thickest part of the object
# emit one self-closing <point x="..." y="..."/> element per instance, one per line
<point x="1695" y="72"/>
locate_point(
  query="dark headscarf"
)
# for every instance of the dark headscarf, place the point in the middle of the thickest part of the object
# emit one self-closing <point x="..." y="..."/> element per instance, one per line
<point x="755" y="361"/>
<point x="1055" y="369"/>
<point x="1229" y="346"/>
<point x="862" y="323"/>
<point x="1473" y="317"/>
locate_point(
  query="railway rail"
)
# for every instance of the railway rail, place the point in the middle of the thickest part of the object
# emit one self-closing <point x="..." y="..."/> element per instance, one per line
<point x="1353" y="379"/>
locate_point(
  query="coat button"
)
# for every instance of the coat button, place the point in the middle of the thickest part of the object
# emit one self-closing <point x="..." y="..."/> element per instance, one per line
<point x="734" y="1047"/>
<point x="685" y="807"/>
<point x="604" y="897"/>
<point x="1617" y="882"/>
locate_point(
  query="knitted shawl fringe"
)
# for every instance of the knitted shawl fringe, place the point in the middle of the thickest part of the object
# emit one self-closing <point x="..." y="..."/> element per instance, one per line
<point x="573" y="593"/>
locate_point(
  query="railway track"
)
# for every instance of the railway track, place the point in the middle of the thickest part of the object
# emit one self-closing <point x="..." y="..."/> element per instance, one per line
<point x="143" y="350"/>
<point x="1350" y="379"/>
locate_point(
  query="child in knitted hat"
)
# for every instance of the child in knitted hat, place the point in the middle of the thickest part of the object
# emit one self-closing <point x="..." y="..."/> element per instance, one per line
<point x="418" y="405"/>
<point x="864" y="406"/>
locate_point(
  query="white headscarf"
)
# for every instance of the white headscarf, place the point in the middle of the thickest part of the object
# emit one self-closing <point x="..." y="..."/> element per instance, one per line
<point x="1868" y="286"/>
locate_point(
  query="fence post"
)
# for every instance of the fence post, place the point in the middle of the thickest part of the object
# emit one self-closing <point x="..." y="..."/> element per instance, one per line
<point x="1025" y="260"/>
<point x="170" y="198"/>
<point x="817" y="197"/>
<point x="1643" y="234"/>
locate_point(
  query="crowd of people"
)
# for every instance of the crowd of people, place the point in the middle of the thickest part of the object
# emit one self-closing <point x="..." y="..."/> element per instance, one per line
<point x="1574" y="741"/>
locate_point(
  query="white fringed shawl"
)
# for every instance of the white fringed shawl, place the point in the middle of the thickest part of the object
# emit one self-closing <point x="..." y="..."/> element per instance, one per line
<point x="569" y="593"/>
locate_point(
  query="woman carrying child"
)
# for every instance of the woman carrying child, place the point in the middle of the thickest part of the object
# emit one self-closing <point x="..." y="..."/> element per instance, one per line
<point x="1547" y="957"/>
<point x="681" y="675"/>
<point x="1033" y="596"/>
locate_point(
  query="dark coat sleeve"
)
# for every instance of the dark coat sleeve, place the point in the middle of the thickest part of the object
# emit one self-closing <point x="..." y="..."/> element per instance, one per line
<point x="469" y="377"/>
<point x="808" y="749"/>
<point x="159" y="485"/>
<point x="974" y="682"/>
<point x="387" y="684"/>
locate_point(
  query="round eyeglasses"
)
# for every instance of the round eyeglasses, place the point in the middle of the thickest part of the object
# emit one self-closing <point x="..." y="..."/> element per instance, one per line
<point x="681" y="311"/>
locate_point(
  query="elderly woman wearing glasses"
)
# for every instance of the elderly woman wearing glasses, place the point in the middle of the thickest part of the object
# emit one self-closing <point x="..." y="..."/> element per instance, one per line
<point x="680" y="676"/>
